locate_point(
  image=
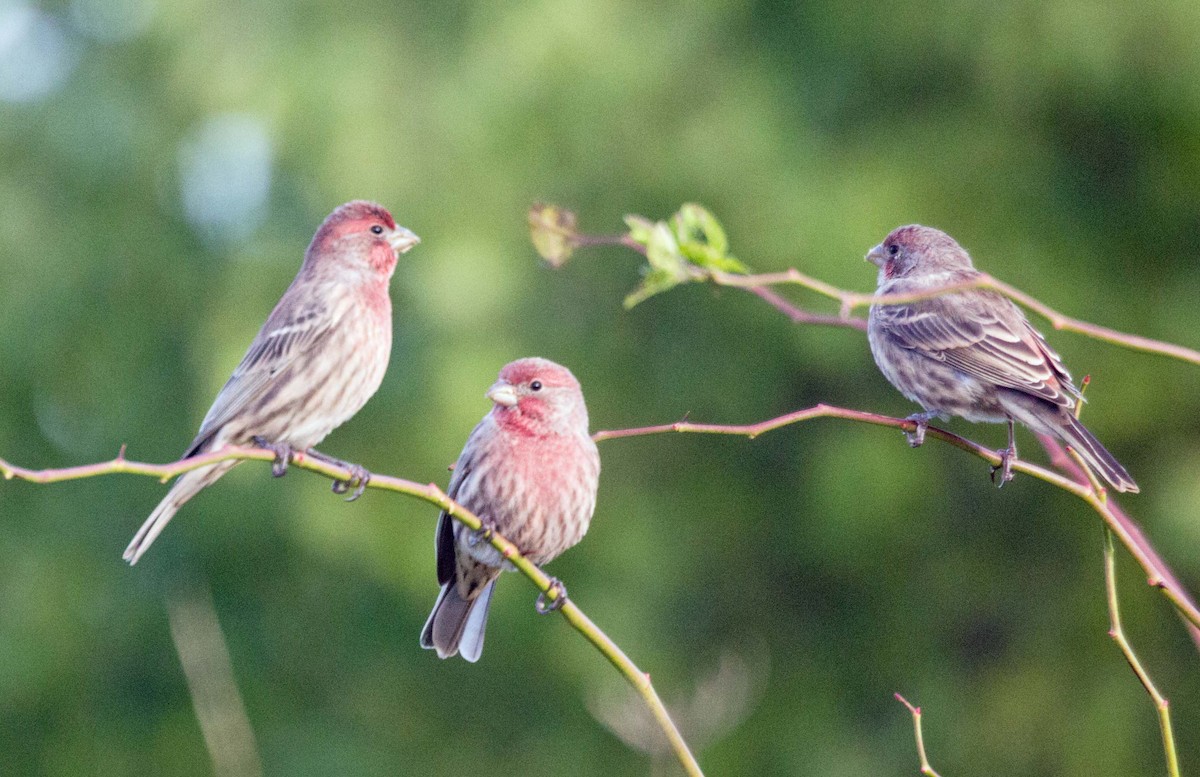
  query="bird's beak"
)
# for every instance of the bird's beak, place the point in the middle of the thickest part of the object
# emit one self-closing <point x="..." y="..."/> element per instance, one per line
<point x="502" y="393"/>
<point x="401" y="240"/>
<point x="876" y="256"/>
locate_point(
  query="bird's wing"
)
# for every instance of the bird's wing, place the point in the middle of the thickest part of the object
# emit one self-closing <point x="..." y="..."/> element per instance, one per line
<point x="464" y="472"/>
<point x="984" y="335"/>
<point x="289" y="332"/>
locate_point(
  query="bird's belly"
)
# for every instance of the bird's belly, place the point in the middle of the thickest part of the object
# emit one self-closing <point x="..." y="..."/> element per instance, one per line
<point x="346" y="379"/>
<point x="940" y="388"/>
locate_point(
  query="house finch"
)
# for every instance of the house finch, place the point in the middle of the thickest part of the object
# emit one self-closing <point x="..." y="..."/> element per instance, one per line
<point x="317" y="360"/>
<point x="973" y="353"/>
<point x="530" y="471"/>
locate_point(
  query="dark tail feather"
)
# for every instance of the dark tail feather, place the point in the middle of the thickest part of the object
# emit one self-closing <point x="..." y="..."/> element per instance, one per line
<point x="1096" y="455"/>
<point x="456" y="625"/>
<point x="186" y="487"/>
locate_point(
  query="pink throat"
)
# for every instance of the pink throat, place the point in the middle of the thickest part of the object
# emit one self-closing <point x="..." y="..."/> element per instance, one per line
<point x="513" y="421"/>
<point x="383" y="259"/>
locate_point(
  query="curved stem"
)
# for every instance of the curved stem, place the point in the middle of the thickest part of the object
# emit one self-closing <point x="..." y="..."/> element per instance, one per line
<point x="430" y="493"/>
<point x="852" y="300"/>
<point x="1158" y="574"/>
<point x="926" y="769"/>
<point x="1115" y="630"/>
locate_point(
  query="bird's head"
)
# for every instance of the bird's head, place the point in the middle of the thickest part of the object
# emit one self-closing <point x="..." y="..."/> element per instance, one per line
<point x="537" y="396"/>
<point x="361" y="236"/>
<point x="914" y="250"/>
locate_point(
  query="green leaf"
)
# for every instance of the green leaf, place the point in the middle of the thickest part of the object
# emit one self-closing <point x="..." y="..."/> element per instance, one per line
<point x="654" y="282"/>
<point x="694" y="223"/>
<point x="702" y="239"/>
<point x="640" y="228"/>
<point x="667" y="267"/>
<point x="662" y="251"/>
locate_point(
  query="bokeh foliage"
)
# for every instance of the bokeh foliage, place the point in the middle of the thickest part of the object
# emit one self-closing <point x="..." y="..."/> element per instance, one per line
<point x="1058" y="140"/>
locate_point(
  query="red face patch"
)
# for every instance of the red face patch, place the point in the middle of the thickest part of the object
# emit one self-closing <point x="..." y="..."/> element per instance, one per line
<point x="526" y="371"/>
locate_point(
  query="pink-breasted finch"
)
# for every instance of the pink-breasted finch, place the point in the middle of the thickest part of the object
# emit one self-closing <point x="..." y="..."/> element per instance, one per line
<point x="972" y="353"/>
<point x="316" y="361"/>
<point x="529" y="471"/>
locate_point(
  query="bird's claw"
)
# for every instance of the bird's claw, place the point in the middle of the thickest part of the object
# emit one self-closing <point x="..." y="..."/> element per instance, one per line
<point x="544" y="604"/>
<point x="1007" y="457"/>
<point x="481" y="535"/>
<point x="916" y="437"/>
<point x="282" y="451"/>
<point x="359" y="478"/>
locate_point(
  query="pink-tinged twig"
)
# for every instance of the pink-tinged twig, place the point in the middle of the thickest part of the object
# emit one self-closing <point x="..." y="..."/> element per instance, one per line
<point x="759" y="285"/>
<point x="429" y="493"/>
<point x="851" y="300"/>
<point x="1117" y="632"/>
<point x="1162" y="577"/>
<point x="1159" y="575"/>
<point x="799" y="315"/>
<point x="926" y="769"/>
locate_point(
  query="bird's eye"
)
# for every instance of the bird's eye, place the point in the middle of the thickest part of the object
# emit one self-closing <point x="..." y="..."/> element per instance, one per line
<point x="535" y="386"/>
<point x="378" y="230"/>
<point x="893" y="249"/>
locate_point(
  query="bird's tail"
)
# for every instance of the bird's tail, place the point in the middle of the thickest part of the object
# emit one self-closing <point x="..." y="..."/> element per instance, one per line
<point x="456" y="625"/>
<point x="186" y="487"/>
<point x="1096" y="455"/>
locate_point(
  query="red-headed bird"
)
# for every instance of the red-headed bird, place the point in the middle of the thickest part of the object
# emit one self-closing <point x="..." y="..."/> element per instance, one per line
<point x="972" y="353"/>
<point x="316" y="361"/>
<point x="529" y="471"/>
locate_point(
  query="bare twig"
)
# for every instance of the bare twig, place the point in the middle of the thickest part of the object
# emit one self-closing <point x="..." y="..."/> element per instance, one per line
<point x="428" y="493"/>
<point x="851" y="300"/>
<point x="1118" y="634"/>
<point x="1159" y="575"/>
<point x="1163" y="576"/>
<point x="799" y="315"/>
<point x="926" y="769"/>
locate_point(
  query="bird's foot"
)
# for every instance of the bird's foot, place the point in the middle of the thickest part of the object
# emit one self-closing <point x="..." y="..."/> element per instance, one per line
<point x="481" y="535"/>
<point x="1007" y="457"/>
<point x="283" y="454"/>
<point x="917" y="436"/>
<point x="544" y="604"/>
<point x="358" y="480"/>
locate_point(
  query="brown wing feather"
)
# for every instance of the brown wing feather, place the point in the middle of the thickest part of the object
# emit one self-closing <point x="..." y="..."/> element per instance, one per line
<point x="289" y="331"/>
<point x="984" y="335"/>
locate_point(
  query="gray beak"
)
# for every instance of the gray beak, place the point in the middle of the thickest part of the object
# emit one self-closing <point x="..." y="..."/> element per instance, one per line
<point x="502" y="393"/>
<point x="877" y="256"/>
<point x="401" y="240"/>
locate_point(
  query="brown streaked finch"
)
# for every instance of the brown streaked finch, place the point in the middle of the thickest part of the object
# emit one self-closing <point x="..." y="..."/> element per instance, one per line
<point x="971" y="353"/>
<point x="529" y="471"/>
<point x="316" y="361"/>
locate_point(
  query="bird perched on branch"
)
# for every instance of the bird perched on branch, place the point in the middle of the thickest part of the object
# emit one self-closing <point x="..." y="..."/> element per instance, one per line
<point x="971" y="353"/>
<point x="529" y="471"/>
<point x="316" y="361"/>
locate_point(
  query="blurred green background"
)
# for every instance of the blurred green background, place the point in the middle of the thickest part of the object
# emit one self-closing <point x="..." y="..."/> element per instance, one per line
<point x="163" y="166"/>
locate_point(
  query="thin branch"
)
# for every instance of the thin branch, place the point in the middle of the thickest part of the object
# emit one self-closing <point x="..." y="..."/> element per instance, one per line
<point x="851" y="300"/>
<point x="1115" y="631"/>
<point x="799" y="315"/>
<point x="428" y="493"/>
<point x="926" y="769"/>
<point x="1159" y="576"/>
<point x="1067" y="463"/>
